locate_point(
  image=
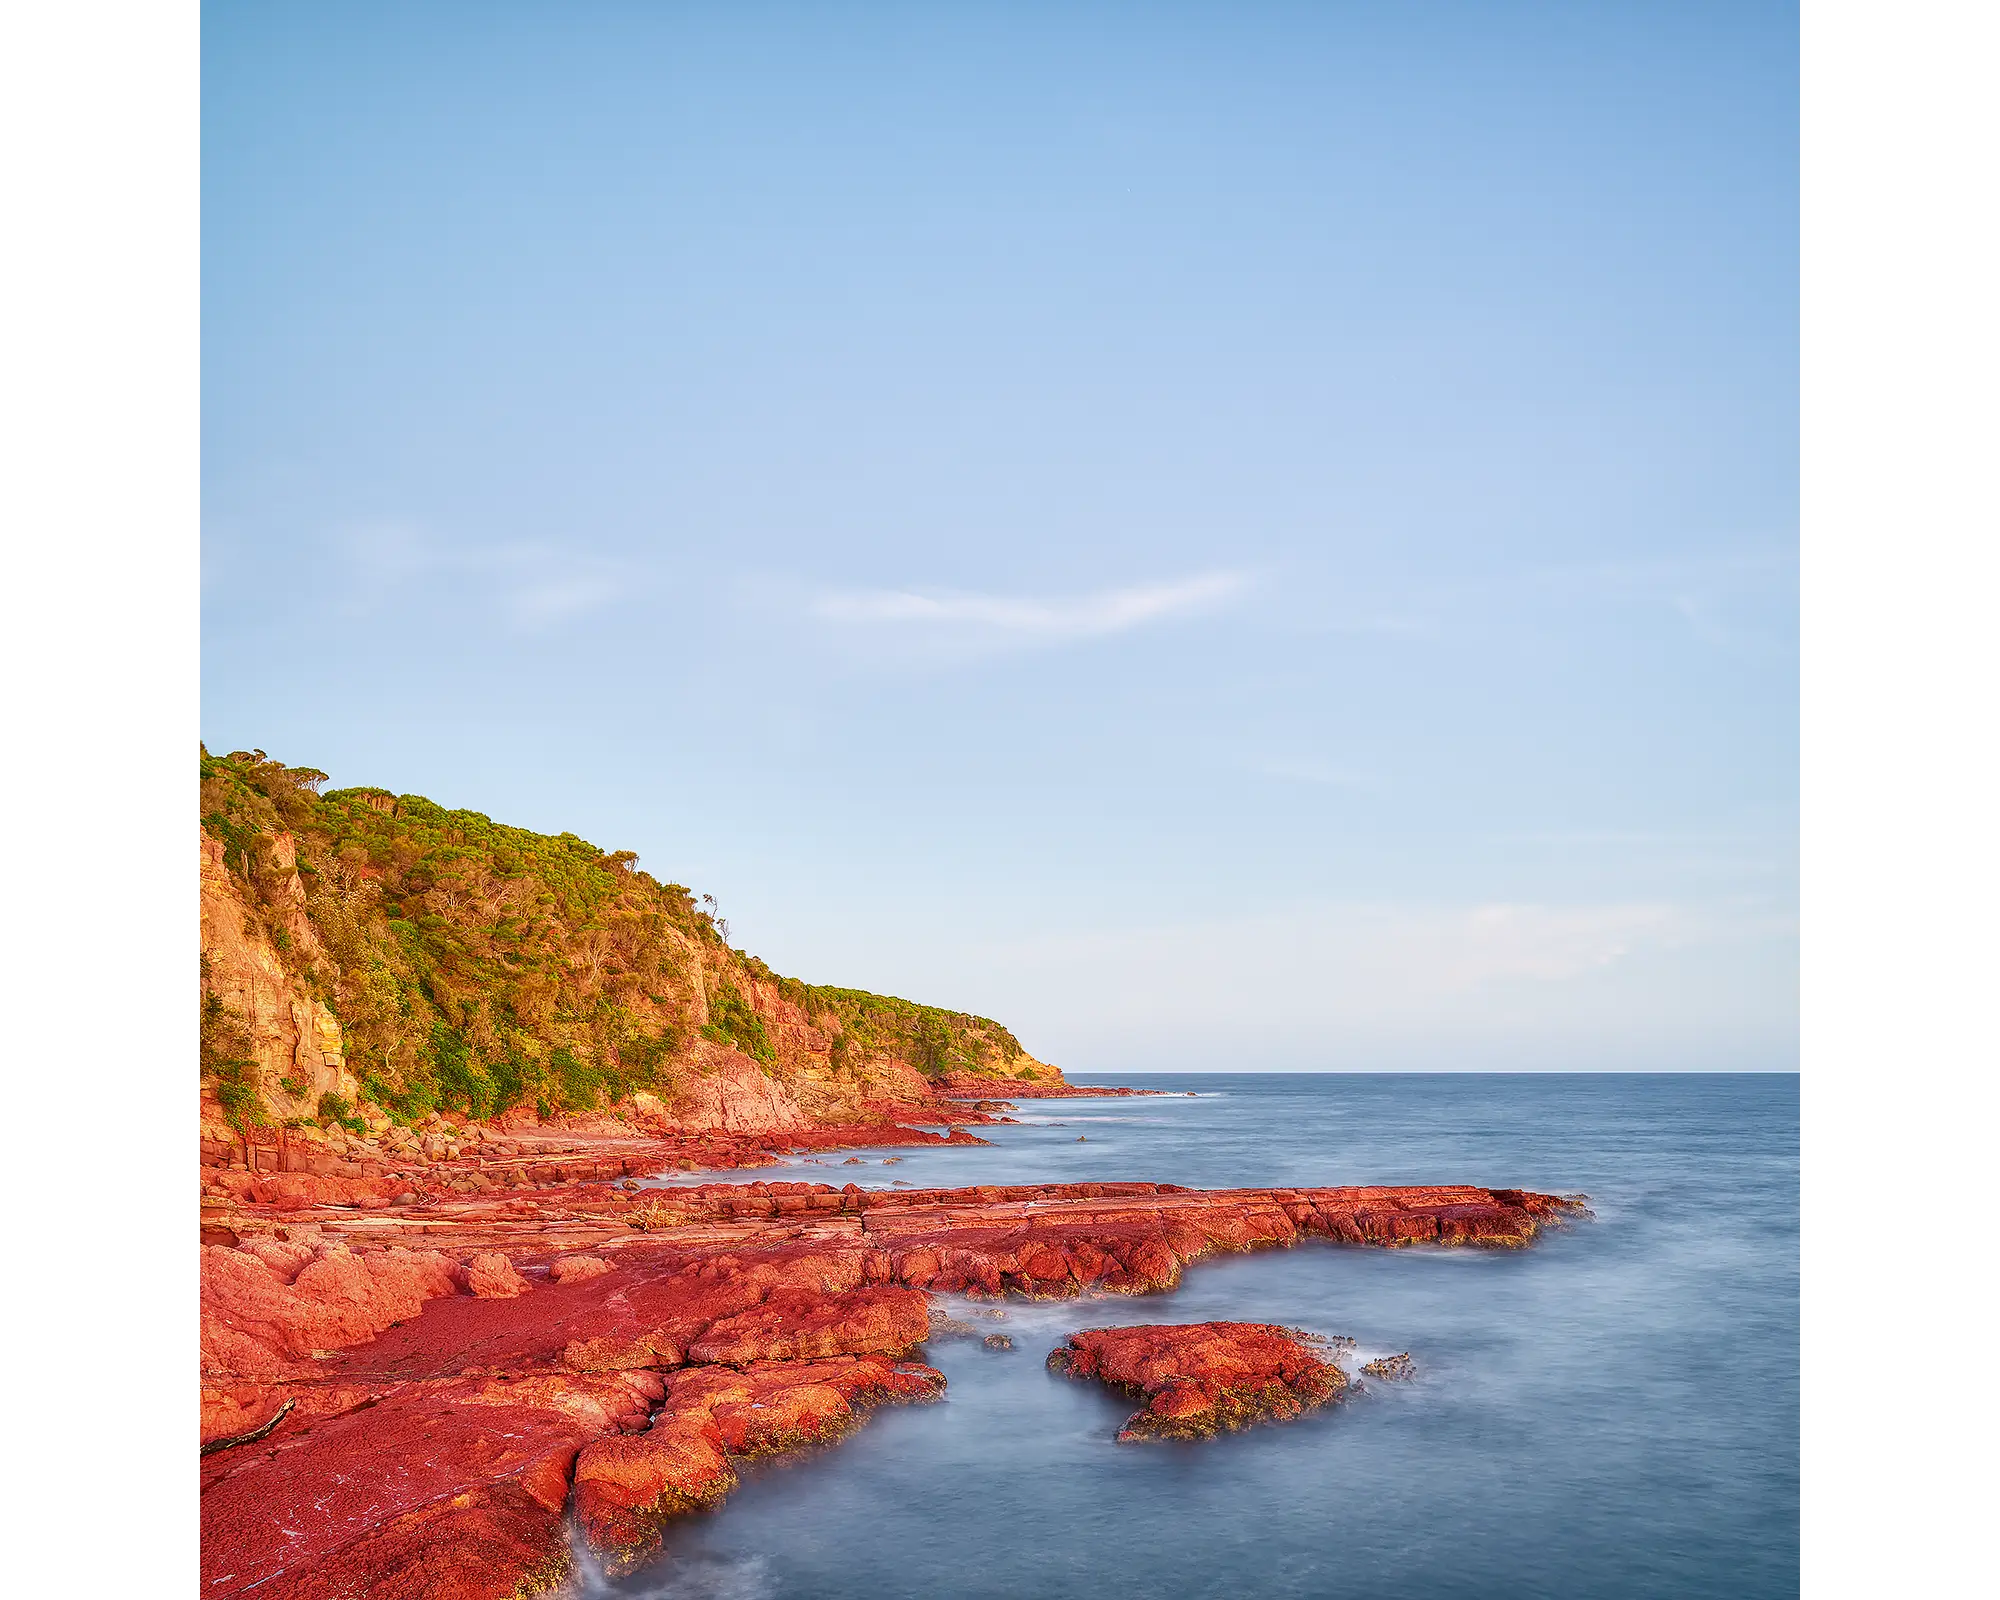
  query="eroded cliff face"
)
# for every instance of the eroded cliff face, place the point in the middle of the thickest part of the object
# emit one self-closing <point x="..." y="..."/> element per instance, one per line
<point x="805" y="1070"/>
<point x="255" y="957"/>
<point x="419" y="963"/>
<point x="730" y="1093"/>
<point x="294" y="1039"/>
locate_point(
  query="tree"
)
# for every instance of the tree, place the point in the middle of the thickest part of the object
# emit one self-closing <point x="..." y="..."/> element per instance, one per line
<point x="715" y="917"/>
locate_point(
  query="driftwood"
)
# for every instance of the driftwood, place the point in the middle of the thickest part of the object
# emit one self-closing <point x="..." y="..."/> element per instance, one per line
<point x="253" y="1435"/>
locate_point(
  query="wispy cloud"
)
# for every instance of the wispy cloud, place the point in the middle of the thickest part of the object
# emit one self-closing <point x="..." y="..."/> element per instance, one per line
<point x="1741" y="600"/>
<point x="1388" y="952"/>
<point x="1312" y="770"/>
<point x="1383" y="985"/>
<point x="531" y="586"/>
<point x="1074" y="617"/>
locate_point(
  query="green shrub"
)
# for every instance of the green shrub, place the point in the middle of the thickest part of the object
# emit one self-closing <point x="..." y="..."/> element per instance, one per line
<point x="582" y="1085"/>
<point x="226" y="1064"/>
<point x="463" y="1084"/>
<point x="645" y="1057"/>
<point x="732" y="1022"/>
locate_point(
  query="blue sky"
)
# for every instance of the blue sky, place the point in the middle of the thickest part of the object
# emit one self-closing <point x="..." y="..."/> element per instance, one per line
<point x="1224" y="536"/>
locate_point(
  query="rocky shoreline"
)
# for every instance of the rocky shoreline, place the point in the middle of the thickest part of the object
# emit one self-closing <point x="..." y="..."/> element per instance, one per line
<point x="964" y="1086"/>
<point x="473" y="1298"/>
<point x="418" y="1380"/>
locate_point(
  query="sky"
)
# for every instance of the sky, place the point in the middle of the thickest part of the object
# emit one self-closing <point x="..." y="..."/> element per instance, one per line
<point x="1227" y="537"/>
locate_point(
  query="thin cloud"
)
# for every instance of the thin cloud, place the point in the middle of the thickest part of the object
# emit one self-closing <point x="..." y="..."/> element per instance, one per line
<point x="1079" y="617"/>
<point x="531" y="586"/>
<point x="1387" y="954"/>
<point x="1321" y="774"/>
<point x="1377" y="986"/>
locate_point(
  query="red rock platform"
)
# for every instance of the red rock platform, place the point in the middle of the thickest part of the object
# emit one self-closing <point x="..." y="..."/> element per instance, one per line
<point x="468" y="1371"/>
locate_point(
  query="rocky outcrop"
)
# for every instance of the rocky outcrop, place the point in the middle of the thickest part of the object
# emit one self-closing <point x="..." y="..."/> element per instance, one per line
<point x="1039" y="1082"/>
<point x="627" y="1487"/>
<point x="730" y="1093"/>
<point x="293" y="1038"/>
<point x="445" y="1491"/>
<point x="268" y="1307"/>
<point x="637" y="1384"/>
<point x="804" y="1322"/>
<point x="413" y="1421"/>
<point x="1203" y="1378"/>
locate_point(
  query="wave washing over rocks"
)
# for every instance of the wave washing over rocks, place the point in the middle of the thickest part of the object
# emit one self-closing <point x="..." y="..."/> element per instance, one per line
<point x="450" y="1395"/>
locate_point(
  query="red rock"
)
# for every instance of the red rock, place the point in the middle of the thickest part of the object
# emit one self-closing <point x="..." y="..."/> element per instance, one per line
<point x="293" y="1191"/>
<point x="802" y="1323"/>
<point x="780" y="1405"/>
<point x="972" y="1085"/>
<point x="491" y="1276"/>
<point x="574" y="1269"/>
<point x="1203" y="1378"/>
<point x="864" y="1136"/>
<point x="254" y="1323"/>
<point x="452" y="1490"/>
<point x="429" y="1421"/>
<point x="625" y="1487"/>
<point x="285" y="1258"/>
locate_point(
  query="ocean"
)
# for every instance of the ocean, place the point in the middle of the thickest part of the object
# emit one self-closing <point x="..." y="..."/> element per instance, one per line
<point x="1613" y="1412"/>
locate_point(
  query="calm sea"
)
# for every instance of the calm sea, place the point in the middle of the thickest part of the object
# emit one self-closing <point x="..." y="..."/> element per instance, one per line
<point x="1612" y="1413"/>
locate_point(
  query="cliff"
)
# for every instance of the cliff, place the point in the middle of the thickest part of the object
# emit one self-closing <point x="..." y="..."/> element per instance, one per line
<point x="369" y="958"/>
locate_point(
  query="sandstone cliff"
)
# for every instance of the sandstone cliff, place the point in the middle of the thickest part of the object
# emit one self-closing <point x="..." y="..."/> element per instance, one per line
<point x="377" y="957"/>
<point x="294" y="1039"/>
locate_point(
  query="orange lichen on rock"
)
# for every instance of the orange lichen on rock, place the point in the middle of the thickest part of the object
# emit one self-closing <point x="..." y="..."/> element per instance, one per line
<point x="1203" y="1378"/>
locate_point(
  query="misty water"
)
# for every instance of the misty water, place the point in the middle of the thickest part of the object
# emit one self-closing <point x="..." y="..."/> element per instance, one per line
<point x="1613" y="1412"/>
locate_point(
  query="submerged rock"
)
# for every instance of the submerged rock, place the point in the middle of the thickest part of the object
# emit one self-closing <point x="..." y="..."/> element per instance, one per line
<point x="946" y="1326"/>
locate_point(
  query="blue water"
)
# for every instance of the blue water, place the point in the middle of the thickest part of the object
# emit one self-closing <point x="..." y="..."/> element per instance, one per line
<point x="1611" y="1413"/>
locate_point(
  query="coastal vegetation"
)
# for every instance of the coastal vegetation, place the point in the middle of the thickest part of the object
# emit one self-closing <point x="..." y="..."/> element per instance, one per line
<point x="228" y="1067"/>
<point x="473" y="966"/>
